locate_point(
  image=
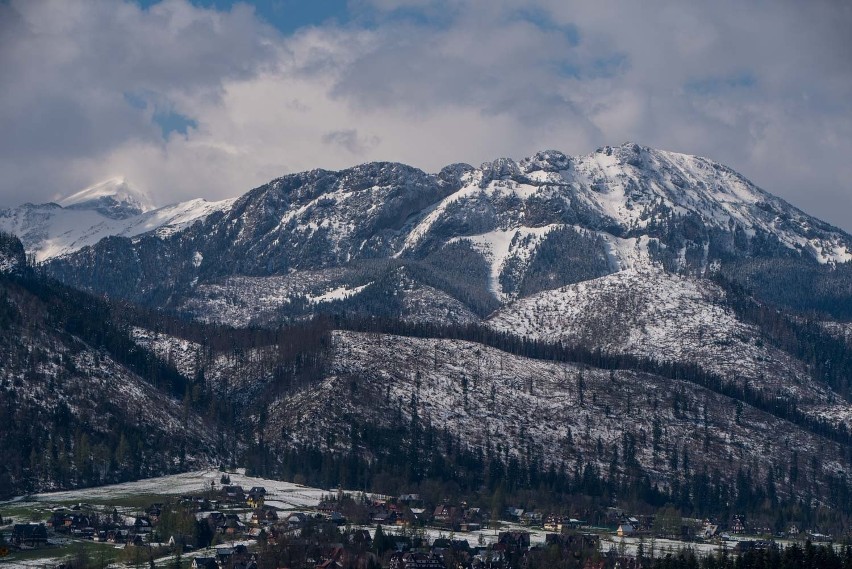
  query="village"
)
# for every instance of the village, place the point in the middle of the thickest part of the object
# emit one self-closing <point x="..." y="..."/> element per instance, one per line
<point x="227" y="525"/>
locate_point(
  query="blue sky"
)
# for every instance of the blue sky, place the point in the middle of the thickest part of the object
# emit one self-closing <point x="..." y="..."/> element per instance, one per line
<point x="211" y="98"/>
<point x="286" y="15"/>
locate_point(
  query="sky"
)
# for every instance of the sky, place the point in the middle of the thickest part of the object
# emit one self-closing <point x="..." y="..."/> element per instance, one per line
<point x="211" y="98"/>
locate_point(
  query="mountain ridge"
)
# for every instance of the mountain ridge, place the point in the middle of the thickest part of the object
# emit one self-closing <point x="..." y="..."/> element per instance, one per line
<point x="513" y="224"/>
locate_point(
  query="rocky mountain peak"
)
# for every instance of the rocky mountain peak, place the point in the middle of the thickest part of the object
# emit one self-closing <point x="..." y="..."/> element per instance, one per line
<point x="499" y="169"/>
<point x="115" y="198"/>
<point x="546" y="161"/>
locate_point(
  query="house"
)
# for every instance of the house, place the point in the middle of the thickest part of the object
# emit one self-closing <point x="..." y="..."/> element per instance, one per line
<point x="264" y="515"/>
<point x="443" y="514"/>
<point x="204" y="563"/>
<point x="444" y="543"/>
<point x="141" y="525"/>
<point x="514" y="540"/>
<point x="471" y="519"/>
<point x="415" y="560"/>
<point x="297" y="520"/>
<point x="738" y="525"/>
<point x="513" y="513"/>
<point x="57" y="519"/>
<point x="232" y="525"/>
<point x="73" y="523"/>
<point x="31" y="534"/>
<point x="224" y="555"/>
<point x="573" y="541"/>
<point x="361" y="538"/>
<point x="553" y="523"/>
<point x="744" y="545"/>
<point x="488" y="560"/>
<point x="333" y="558"/>
<point x="234" y="492"/>
<point x="571" y="523"/>
<point x="154" y="512"/>
<point x="384" y="517"/>
<point x="256" y="496"/>
<point x="532" y="518"/>
<point x="625" y="529"/>
<point x="709" y="531"/>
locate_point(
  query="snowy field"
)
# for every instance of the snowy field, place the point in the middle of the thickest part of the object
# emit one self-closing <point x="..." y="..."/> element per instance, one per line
<point x="284" y="495"/>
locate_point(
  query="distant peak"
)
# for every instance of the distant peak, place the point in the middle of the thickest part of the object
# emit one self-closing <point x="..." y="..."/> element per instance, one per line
<point x="115" y="198"/>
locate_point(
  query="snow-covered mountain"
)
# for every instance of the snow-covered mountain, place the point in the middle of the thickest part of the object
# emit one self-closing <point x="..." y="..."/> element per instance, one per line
<point x="481" y="236"/>
<point x="694" y="303"/>
<point x="111" y="208"/>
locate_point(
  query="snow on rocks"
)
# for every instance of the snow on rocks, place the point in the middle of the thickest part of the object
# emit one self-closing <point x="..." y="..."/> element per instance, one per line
<point x="500" y="246"/>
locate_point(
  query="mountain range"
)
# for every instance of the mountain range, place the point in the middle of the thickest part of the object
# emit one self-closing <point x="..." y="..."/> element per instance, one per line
<point x="542" y="313"/>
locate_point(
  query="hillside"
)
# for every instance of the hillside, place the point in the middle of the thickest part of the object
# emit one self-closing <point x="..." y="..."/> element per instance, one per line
<point x="668" y="318"/>
<point x="78" y="405"/>
<point x="396" y="410"/>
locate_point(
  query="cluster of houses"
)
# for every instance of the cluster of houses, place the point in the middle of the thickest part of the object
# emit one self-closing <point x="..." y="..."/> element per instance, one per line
<point x="29" y="535"/>
<point x="510" y="545"/>
<point x="81" y="522"/>
<point x="236" y="557"/>
<point x="418" y="553"/>
<point x="458" y="518"/>
<point x="643" y="525"/>
<point x="238" y="514"/>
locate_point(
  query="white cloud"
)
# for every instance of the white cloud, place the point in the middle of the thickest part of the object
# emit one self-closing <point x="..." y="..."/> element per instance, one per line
<point x="762" y="87"/>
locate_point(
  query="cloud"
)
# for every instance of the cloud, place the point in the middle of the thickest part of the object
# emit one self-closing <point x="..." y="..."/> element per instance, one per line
<point x="350" y="140"/>
<point x="189" y="101"/>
